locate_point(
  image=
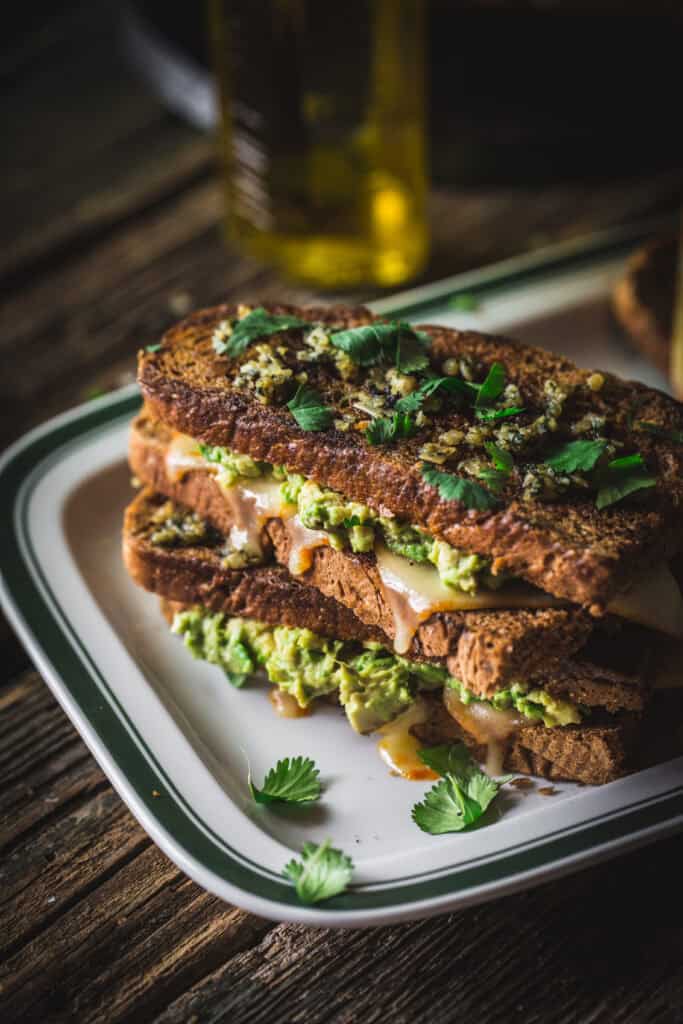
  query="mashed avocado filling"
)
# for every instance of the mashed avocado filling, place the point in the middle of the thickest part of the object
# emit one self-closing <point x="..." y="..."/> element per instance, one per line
<point x="355" y="526"/>
<point x="373" y="685"/>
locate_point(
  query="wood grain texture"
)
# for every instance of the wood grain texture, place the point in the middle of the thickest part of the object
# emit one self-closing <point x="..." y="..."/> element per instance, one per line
<point x="110" y="221"/>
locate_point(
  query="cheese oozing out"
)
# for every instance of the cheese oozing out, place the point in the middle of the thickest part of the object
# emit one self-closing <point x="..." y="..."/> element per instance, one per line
<point x="492" y="727"/>
<point x="398" y="747"/>
<point x="414" y="592"/>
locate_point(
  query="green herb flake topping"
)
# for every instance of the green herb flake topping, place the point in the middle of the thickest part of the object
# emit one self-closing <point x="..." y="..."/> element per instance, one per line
<point x="462" y="795"/>
<point x="492" y="387"/>
<point x="255" y="325"/>
<point x="576" y="456"/>
<point x="395" y="342"/>
<point x="622" y="477"/>
<point x="308" y="409"/>
<point x="384" y="431"/>
<point x="321" y="873"/>
<point x="292" y="781"/>
<point x="501" y="458"/>
<point x="498" y="414"/>
<point x="457" y="488"/>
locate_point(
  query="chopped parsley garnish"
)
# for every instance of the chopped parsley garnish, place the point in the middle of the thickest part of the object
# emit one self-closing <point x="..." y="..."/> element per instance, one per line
<point x="576" y="456"/>
<point x="501" y="457"/>
<point x="498" y="414"/>
<point x="395" y="342"/>
<point x="153" y="348"/>
<point x="622" y="477"/>
<point x="666" y="435"/>
<point x="492" y="387"/>
<point x="255" y="325"/>
<point x="321" y="873"/>
<point x="308" y="409"/>
<point x="292" y="781"/>
<point x="449" y="386"/>
<point x="458" y="488"/>
<point x="464" y="303"/>
<point x="384" y="431"/>
<point x="462" y="795"/>
<point x="495" y="479"/>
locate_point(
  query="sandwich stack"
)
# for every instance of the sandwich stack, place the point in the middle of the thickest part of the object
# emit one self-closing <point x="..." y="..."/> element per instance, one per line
<point x="453" y="535"/>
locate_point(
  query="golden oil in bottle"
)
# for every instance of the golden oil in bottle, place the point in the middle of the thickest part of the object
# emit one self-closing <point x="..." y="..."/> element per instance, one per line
<point x="323" y="133"/>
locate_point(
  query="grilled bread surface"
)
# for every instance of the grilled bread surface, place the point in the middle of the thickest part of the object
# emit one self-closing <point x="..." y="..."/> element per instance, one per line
<point x="568" y="548"/>
<point x="486" y="650"/>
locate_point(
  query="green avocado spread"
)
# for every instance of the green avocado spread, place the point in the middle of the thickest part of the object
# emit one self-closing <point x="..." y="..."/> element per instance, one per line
<point x="355" y="526"/>
<point x="373" y="685"/>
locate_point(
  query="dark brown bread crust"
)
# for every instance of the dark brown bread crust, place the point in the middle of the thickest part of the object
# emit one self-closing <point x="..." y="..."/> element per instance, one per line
<point x="568" y="549"/>
<point x="644" y="299"/>
<point x="593" y="754"/>
<point x="196" y="576"/>
<point x="485" y="650"/>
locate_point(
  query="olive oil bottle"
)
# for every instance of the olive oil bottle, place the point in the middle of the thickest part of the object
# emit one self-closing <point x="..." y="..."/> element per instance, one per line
<point x="323" y="135"/>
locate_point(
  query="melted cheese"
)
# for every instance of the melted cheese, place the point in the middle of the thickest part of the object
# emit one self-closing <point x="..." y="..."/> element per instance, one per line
<point x="182" y="456"/>
<point x="488" y="725"/>
<point x="398" y="748"/>
<point x="654" y="601"/>
<point x="414" y="592"/>
<point x="252" y="503"/>
<point x="285" y="705"/>
<point x="302" y="544"/>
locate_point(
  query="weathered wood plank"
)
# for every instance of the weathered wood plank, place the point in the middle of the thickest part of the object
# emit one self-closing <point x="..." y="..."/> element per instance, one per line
<point x="73" y="854"/>
<point x="601" y="946"/>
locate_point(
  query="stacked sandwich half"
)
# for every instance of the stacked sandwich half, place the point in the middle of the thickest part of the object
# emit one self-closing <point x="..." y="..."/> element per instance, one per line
<point x="451" y="532"/>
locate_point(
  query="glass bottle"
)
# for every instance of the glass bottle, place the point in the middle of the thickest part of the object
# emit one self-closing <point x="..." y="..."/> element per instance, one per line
<point x="323" y="135"/>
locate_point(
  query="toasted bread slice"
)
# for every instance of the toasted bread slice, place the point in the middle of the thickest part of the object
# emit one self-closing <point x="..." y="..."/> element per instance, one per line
<point x="567" y="548"/>
<point x="486" y="650"/>
<point x="196" y="575"/>
<point x="643" y="299"/>
<point x="594" y="753"/>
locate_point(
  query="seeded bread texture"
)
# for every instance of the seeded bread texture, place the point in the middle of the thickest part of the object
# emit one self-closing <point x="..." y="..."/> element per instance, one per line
<point x="593" y="754"/>
<point x="197" y="576"/>
<point x="486" y="650"/>
<point x="567" y="548"/>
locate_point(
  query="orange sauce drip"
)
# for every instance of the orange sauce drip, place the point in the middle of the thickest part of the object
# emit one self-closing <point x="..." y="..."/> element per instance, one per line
<point x="285" y="705"/>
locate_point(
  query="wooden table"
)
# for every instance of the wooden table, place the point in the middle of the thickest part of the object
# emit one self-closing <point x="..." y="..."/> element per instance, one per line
<point x="111" y="228"/>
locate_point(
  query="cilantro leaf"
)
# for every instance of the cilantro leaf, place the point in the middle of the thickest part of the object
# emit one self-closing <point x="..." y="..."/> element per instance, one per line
<point x="622" y="477"/>
<point x="502" y="459"/>
<point x="457" y="488"/>
<point x="495" y="479"/>
<point x="384" y="431"/>
<point x="394" y="342"/>
<point x="666" y="435"/>
<point x="576" y="456"/>
<point x="410" y="350"/>
<point x="464" y="303"/>
<point x="462" y="795"/>
<point x="321" y="873"/>
<point x="290" y="782"/>
<point x="308" y="409"/>
<point x="410" y="403"/>
<point x="498" y="414"/>
<point x="492" y="388"/>
<point x="153" y="348"/>
<point x="255" y="325"/>
<point x="450" y="386"/>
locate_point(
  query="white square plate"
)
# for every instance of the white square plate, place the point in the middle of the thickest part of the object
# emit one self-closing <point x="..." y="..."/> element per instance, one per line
<point x="174" y="737"/>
